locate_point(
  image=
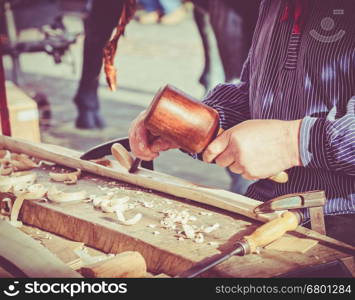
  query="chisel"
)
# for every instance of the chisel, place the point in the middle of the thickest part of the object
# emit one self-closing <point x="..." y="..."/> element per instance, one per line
<point x="262" y="236"/>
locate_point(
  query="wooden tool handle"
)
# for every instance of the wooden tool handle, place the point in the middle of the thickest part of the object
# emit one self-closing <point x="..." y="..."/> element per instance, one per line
<point x="272" y="230"/>
<point x="282" y="177"/>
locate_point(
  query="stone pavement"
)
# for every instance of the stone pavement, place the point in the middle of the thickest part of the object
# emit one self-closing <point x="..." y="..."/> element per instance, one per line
<point x="149" y="57"/>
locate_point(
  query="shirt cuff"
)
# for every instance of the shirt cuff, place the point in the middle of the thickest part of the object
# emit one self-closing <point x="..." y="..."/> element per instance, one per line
<point x="313" y="143"/>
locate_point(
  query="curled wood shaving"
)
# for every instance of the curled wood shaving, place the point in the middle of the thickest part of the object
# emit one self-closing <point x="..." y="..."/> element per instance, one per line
<point x="199" y="238"/>
<point x="209" y="229"/>
<point x="21" y="162"/>
<point x="214" y="244"/>
<point x="189" y="231"/>
<point x="113" y="205"/>
<point x="88" y="259"/>
<point x="5" y="170"/>
<point x="16" y="179"/>
<point x="67" y="178"/>
<point x="122" y="155"/>
<point x="31" y="192"/>
<point x="122" y="220"/>
<point x="57" y="196"/>
<point x="128" y="10"/>
<point x="5" y="155"/>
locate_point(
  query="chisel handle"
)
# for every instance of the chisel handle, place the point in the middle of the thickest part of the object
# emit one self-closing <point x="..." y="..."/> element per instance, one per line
<point x="272" y="230"/>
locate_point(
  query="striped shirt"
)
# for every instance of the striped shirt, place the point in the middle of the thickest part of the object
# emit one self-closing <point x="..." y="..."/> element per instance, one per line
<point x="308" y="75"/>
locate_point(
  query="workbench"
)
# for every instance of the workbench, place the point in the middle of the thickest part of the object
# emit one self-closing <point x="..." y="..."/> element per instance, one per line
<point x="164" y="252"/>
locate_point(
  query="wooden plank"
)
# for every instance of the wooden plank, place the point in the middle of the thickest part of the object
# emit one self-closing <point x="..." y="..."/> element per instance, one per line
<point x="164" y="253"/>
<point x="29" y="256"/>
<point x="143" y="177"/>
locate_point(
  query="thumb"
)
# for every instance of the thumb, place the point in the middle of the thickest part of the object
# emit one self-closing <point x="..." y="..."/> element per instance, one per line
<point x="216" y="147"/>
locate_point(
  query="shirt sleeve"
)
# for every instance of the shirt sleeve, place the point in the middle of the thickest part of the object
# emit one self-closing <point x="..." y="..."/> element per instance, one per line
<point x="231" y="101"/>
<point x="329" y="143"/>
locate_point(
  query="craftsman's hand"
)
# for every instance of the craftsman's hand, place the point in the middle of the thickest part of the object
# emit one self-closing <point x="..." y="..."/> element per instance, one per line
<point x="257" y="148"/>
<point x="143" y="144"/>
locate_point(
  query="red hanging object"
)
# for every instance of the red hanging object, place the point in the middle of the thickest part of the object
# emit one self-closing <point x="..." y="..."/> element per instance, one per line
<point x="4" y="110"/>
<point x="297" y="9"/>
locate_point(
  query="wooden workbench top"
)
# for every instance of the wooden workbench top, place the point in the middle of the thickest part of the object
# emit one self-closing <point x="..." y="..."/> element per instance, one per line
<point x="163" y="252"/>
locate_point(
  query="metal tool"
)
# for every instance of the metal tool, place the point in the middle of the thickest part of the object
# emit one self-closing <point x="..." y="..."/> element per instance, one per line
<point x="262" y="236"/>
<point x="313" y="200"/>
<point x="270" y="231"/>
<point x="105" y="149"/>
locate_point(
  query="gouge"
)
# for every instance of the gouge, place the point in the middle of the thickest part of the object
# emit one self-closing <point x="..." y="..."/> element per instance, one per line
<point x="105" y="149"/>
<point x="262" y="236"/>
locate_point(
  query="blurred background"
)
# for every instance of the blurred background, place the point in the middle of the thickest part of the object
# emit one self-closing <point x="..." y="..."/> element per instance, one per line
<point x="191" y="45"/>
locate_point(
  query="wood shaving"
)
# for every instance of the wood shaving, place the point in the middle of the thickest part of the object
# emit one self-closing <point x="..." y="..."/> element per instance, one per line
<point x="209" y="229"/>
<point x="18" y="178"/>
<point x="57" y="196"/>
<point x="189" y="231"/>
<point x="5" y="156"/>
<point x="67" y="178"/>
<point x="148" y="204"/>
<point x="113" y="205"/>
<point x="152" y="225"/>
<point x="199" y="238"/>
<point x="88" y="259"/>
<point x="214" y="244"/>
<point x="122" y="220"/>
<point x="31" y="192"/>
<point x="120" y="153"/>
<point x="21" y="162"/>
<point x="204" y="213"/>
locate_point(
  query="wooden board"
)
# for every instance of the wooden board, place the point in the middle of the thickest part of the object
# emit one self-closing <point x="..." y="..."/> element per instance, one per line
<point x="29" y="257"/>
<point x="164" y="253"/>
<point x="145" y="178"/>
<point x="23" y="114"/>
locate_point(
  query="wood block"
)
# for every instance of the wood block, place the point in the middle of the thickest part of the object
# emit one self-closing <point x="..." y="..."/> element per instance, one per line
<point x="23" y="113"/>
<point x="29" y="257"/>
<point x="292" y="244"/>
<point x="129" y="264"/>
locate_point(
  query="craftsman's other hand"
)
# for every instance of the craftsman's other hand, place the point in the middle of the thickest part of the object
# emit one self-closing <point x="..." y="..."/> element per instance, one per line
<point x="257" y="148"/>
<point x="143" y="144"/>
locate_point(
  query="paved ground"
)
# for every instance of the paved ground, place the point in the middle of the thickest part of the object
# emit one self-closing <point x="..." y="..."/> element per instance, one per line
<point x="149" y="57"/>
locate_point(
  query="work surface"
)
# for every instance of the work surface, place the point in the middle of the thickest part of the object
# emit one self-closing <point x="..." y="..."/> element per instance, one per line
<point x="162" y="248"/>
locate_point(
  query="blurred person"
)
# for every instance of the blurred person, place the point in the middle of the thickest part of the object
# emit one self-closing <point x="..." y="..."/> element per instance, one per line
<point x="99" y="26"/>
<point x="226" y="28"/>
<point x="294" y="108"/>
<point x="167" y="12"/>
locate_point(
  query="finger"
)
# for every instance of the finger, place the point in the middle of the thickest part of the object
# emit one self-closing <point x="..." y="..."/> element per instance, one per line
<point x="236" y="168"/>
<point x="215" y="148"/>
<point x="161" y="145"/>
<point x="225" y="159"/>
<point x="138" y="139"/>
<point x="248" y="176"/>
